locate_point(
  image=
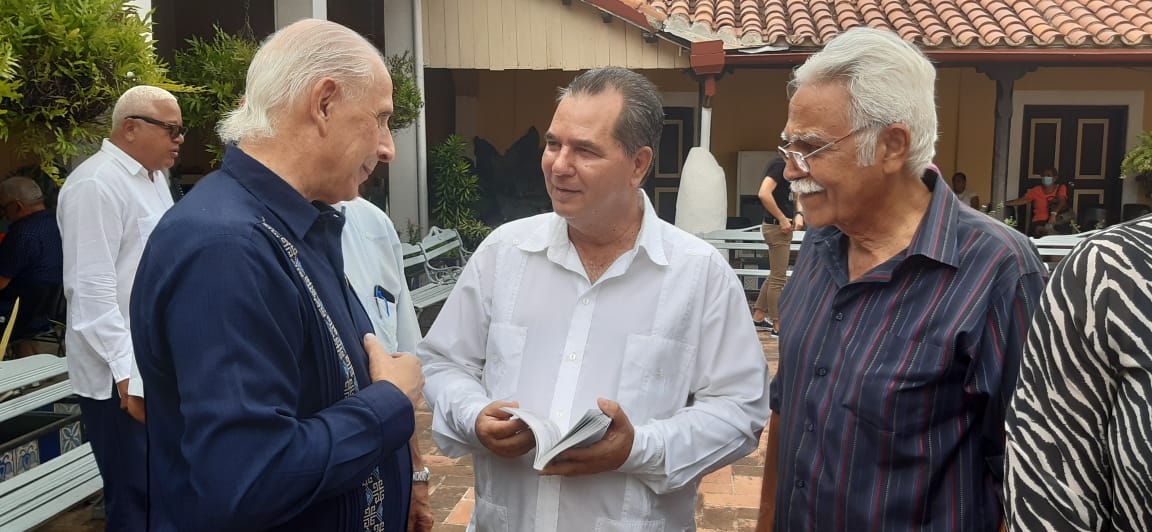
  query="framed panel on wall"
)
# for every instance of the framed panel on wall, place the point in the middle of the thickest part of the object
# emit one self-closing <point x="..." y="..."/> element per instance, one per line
<point x="665" y="203"/>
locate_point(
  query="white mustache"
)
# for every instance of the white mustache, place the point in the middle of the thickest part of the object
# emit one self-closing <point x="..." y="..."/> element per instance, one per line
<point x="805" y="186"/>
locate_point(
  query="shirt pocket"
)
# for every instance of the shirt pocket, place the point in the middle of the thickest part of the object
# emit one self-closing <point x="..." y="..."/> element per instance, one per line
<point x="655" y="381"/>
<point x="146" y="224"/>
<point x="904" y="394"/>
<point x="502" y="360"/>
<point x="488" y="517"/>
<point x="604" y="524"/>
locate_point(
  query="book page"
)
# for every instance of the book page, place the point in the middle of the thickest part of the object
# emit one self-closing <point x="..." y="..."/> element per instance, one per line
<point x="546" y="432"/>
<point x="588" y="430"/>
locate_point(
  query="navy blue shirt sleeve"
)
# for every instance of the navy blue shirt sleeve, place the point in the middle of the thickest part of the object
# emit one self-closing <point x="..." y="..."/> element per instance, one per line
<point x="231" y="389"/>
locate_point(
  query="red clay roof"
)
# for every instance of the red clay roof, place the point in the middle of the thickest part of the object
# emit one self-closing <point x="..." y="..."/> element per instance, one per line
<point x="931" y="24"/>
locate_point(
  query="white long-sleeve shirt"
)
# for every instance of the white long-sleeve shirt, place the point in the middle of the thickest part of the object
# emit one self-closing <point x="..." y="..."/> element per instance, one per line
<point x="107" y="208"/>
<point x="664" y="332"/>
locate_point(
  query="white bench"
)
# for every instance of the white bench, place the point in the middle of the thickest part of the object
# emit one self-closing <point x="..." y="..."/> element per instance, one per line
<point x="438" y="280"/>
<point x="49" y="489"/>
<point x="749" y="239"/>
<point x="35" y="496"/>
<point x="1052" y="249"/>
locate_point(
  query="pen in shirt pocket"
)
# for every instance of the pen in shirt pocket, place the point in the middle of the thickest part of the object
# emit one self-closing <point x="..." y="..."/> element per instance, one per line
<point x="387" y="296"/>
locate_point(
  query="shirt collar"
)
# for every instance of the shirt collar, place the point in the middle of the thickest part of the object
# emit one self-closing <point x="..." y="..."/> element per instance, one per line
<point x="935" y="238"/>
<point x="127" y="161"/>
<point x="554" y="235"/>
<point x="272" y="190"/>
<point x="937" y="234"/>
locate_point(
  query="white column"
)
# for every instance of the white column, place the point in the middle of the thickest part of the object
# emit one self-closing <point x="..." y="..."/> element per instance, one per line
<point x="407" y="178"/>
<point x="289" y="11"/>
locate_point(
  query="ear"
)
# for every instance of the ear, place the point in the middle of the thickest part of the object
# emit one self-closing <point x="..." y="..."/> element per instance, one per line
<point x="641" y="163"/>
<point x="321" y="104"/>
<point x="892" y="147"/>
<point x="129" y="129"/>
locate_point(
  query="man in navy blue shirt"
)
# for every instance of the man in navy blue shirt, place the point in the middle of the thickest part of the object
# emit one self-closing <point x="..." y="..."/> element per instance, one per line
<point x="904" y="321"/>
<point x="268" y="407"/>
<point x="31" y="257"/>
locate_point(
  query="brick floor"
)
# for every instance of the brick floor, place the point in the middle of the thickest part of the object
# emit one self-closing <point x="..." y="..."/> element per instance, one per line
<point x="728" y="502"/>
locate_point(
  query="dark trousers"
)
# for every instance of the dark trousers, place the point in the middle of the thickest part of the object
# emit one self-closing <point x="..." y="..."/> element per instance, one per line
<point x="119" y="444"/>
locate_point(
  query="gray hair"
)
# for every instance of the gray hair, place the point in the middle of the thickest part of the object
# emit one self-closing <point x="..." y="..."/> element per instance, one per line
<point x="137" y="100"/>
<point x="642" y="118"/>
<point x="21" y="189"/>
<point x="287" y="66"/>
<point x="888" y="82"/>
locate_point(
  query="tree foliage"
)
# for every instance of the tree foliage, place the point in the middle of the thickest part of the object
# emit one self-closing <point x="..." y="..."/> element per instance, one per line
<point x="75" y="59"/>
<point x="220" y="68"/>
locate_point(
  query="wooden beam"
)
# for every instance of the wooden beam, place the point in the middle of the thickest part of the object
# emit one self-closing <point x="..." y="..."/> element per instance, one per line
<point x="707" y="57"/>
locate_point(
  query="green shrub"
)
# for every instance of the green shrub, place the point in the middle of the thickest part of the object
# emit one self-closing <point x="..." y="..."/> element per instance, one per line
<point x="75" y="59"/>
<point x="1138" y="160"/>
<point x="406" y="99"/>
<point x="455" y="191"/>
<point x="220" y="68"/>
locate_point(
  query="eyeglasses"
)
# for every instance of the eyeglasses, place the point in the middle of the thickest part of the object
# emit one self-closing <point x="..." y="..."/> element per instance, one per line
<point x="175" y="131"/>
<point x="801" y="159"/>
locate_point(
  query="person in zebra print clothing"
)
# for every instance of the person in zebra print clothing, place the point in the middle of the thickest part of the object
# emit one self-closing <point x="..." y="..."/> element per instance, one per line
<point x="1080" y="424"/>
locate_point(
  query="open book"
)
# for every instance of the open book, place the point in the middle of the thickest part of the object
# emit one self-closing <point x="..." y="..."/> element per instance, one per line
<point x="551" y="442"/>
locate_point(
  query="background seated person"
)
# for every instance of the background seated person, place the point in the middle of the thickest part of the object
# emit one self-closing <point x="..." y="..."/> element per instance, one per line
<point x="960" y="188"/>
<point x="1048" y="199"/>
<point x="31" y="257"/>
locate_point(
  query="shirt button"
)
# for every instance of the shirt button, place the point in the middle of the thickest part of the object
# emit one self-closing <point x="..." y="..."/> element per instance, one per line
<point x="584" y="301"/>
<point x="572" y="356"/>
<point x="809" y="427"/>
<point x="821" y="371"/>
<point x="559" y="414"/>
<point x="515" y="241"/>
<point x="839" y="316"/>
<point x="799" y="483"/>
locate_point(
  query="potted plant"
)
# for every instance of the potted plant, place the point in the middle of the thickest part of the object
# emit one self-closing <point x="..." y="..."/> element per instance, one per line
<point x="1138" y="162"/>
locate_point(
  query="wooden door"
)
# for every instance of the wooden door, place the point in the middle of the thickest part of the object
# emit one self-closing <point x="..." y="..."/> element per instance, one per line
<point x="1085" y="144"/>
<point x="678" y="136"/>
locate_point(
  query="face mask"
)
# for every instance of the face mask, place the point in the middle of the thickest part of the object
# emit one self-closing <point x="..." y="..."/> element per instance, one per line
<point x="1047" y="180"/>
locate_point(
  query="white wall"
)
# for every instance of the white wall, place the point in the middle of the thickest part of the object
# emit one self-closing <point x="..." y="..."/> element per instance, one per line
<point x="407" y="190"/>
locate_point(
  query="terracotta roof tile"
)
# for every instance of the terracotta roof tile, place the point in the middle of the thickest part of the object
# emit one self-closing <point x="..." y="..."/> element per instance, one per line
<point x="932" y="24"/>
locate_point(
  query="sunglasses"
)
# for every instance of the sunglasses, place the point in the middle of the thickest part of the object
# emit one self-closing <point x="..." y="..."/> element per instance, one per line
<point x="175" y="131"/>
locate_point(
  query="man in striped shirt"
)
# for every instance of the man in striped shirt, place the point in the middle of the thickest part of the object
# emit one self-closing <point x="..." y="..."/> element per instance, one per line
<point x="905" y="317"/>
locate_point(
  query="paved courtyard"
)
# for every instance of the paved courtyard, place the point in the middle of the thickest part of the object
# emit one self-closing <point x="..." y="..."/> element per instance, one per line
<point x="728" y="502"/>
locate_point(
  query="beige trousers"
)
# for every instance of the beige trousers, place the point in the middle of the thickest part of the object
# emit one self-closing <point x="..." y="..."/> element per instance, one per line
<point x="779" y="250"/>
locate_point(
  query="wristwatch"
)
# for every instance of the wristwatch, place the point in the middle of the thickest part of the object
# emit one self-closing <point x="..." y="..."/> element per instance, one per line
<point x="421" y="476"/>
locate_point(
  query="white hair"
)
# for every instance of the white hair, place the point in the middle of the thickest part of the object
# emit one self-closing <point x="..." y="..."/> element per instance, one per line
<point x="888" y="82"/>
<point x="21" y="189"/>
<point x="137" y="100"/>
<point x="287" y="66"/>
